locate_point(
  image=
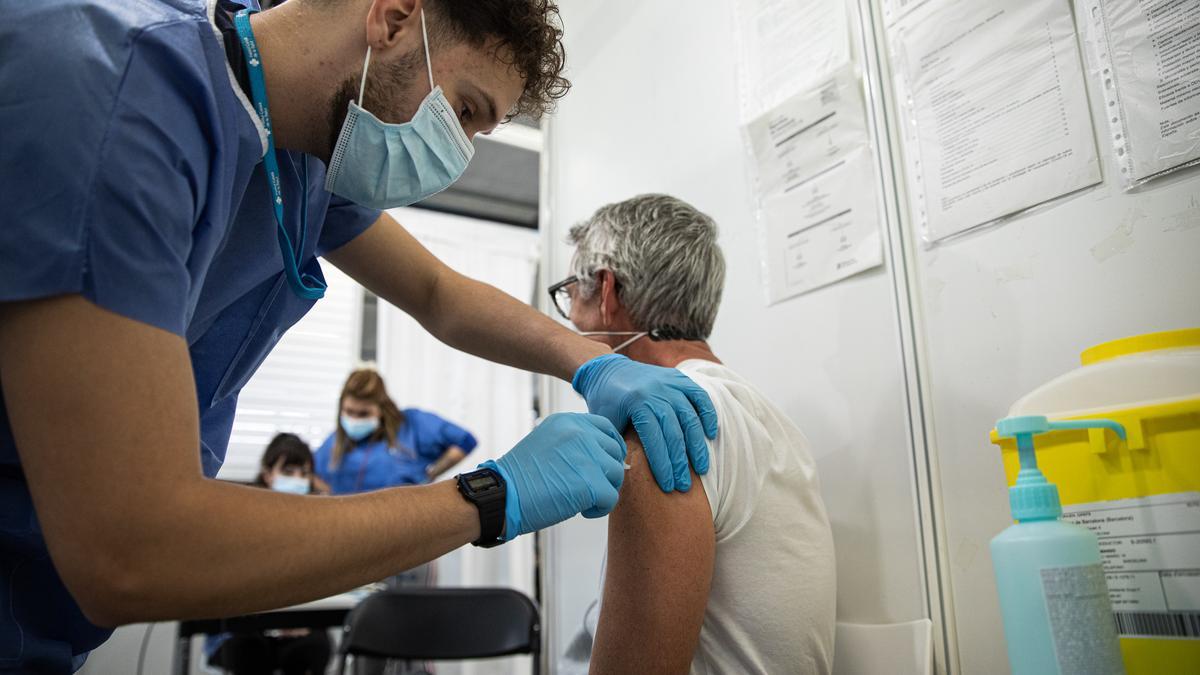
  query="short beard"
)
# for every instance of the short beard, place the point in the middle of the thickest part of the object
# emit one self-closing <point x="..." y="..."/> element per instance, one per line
<point x="338" y="107"/>
<point x="388" y="94"/>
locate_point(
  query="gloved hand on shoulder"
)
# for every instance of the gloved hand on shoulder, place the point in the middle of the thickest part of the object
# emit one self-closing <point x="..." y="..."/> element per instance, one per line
<point x="671" y="414"/>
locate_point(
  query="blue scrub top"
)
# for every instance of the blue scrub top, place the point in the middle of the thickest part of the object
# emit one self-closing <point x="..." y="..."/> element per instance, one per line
<point x="130" y="174"/>
<point x="373" y="465"/>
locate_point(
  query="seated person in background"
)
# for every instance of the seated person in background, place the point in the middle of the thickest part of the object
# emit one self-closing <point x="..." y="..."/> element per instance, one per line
<point x="286" y="466"/>
<point x="377" y="445"/>
<point x="737" y="574"/>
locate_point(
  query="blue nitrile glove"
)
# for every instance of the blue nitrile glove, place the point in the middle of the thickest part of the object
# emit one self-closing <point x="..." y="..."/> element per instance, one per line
<point x="569" y="464"/>
<point x="665" y="407"/>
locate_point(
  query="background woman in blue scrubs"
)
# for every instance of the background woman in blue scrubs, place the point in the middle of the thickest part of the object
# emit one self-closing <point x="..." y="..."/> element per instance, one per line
<point x="378" y="445"/>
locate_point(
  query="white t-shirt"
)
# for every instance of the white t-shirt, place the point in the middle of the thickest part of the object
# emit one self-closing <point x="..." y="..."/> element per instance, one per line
<point x="773" y="596"/>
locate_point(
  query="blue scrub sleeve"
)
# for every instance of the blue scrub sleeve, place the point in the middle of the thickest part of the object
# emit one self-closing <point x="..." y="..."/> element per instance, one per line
<point x="103" y="171"/>
<point x="344" y="221"/>
<point x="452" y="434"/>
<point x="321" y="459"/>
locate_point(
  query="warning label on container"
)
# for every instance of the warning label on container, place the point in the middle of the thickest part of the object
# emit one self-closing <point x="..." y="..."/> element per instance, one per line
<point x="1150" y="548"/>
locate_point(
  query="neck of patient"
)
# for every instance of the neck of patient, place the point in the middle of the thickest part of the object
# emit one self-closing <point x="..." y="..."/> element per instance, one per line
<point x="669" y="353"/>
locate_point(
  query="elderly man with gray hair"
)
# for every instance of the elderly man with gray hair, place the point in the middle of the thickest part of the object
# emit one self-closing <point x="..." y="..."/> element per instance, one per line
<point x="759" y="595"/>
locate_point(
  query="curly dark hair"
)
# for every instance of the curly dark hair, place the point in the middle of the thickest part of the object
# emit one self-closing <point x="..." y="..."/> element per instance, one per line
<point x="527" y="35"/>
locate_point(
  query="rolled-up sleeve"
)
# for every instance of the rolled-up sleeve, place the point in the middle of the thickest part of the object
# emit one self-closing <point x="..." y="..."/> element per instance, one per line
<point x="453" y="435"/>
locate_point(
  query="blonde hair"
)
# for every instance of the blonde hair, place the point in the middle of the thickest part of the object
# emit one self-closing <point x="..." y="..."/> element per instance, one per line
<point x="366" y="384"/>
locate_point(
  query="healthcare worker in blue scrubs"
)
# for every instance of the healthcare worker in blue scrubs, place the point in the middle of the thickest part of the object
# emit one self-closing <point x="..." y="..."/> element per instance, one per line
<point x="378" y="445"/>
<point x="170" y="173"/>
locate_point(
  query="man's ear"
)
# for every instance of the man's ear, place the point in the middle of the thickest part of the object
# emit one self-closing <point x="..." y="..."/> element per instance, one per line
<point x="388" y="21"/>
<point x="608" y="296"/>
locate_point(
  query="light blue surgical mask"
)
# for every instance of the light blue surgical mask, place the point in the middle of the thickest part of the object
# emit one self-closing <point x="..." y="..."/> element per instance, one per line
<point x="359" y="428"/>
<point x="297" y="485"/>
<point x="382" y="166"/>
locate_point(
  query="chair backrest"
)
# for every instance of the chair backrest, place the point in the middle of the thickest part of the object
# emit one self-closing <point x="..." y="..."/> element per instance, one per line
<point x="443" y="623"/>
<point x="889" y="648"/>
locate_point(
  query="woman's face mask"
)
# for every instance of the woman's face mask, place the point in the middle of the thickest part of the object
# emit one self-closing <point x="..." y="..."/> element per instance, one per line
<point x="382" y="166"/>
<point x="297" y="485"/>
<point x="358" y="428"/>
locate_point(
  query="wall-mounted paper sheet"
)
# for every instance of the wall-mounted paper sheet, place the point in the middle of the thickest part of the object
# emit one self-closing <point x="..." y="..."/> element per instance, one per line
<point x="997" y="110"/>
<point x="808" y="132"/>
<point x="894" y="10"/>
<point x="824" y="230"/>
<point x="1150" y="60"/>
<point x="816" y="187"/>
<point x="787" y="45"/>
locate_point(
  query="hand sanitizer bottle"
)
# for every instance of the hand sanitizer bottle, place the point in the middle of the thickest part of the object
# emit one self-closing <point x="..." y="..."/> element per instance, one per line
<point x="1053" y="597"/>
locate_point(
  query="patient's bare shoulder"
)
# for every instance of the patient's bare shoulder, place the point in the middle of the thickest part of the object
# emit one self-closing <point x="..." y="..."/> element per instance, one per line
<point x="641" y="496"/>
<point x="660" y="559"/>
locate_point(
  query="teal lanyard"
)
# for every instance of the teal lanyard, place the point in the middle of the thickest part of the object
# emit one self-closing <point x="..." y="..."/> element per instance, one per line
<point x="306" y="286"/>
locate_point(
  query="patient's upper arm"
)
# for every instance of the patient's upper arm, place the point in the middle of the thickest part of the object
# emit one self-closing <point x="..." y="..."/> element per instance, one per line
<point x="660" y="562"/>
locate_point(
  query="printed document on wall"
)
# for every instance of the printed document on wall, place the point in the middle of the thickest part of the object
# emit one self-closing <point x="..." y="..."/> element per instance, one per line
<point x="816" y="188"/>
<point x="1150" y="60"/>
<point x="786" y="46"/>
<point x="997" y="112"/>
<point x="823" y="231"/>
<point x="894" y="10"/>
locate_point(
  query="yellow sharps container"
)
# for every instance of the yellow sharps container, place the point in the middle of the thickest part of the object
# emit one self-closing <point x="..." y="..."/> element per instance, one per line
<point x="1141" y="496"/>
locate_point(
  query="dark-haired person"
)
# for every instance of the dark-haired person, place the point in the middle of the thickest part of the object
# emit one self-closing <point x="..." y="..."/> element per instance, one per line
<point x="377" y="445"/>
<point x="171" y="172"/>
<point x="286" y="466"/>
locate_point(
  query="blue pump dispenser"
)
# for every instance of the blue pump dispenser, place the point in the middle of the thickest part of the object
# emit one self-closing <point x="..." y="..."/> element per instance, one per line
<point x="1053" y="597"/>
<point x="1033" y="497"/>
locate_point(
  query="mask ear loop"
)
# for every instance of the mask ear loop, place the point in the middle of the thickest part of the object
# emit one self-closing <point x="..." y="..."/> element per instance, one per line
<point x="635" y="338"/>
<point x="425" y="39"/>
<point x="362" y="86"/>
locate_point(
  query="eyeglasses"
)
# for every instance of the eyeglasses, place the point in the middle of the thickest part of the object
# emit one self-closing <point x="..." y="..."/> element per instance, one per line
<point x="561" y="296"/>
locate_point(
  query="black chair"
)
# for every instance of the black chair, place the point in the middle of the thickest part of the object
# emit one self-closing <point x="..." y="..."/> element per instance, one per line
<point x="427" y="624"/>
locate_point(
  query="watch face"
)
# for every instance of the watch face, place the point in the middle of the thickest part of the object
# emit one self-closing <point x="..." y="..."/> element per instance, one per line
<point x="479" y="483"/>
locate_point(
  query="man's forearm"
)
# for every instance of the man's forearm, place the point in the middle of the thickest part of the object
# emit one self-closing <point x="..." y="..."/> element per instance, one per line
<point x="477" y="318"/>
<point x="264" y="550"/>
<point x="466" y="314"/>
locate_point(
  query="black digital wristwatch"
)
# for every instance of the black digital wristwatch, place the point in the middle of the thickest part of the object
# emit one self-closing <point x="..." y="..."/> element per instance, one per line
<point x="486" y="490"/>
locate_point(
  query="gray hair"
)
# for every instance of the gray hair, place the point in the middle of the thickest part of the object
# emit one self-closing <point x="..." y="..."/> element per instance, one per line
<point x="664" y="254"/>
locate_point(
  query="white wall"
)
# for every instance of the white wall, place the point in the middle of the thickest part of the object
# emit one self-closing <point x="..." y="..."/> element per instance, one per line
<point x="934" y="347"/>
<point x="1005" y="309"/>
<point x="653" y="109"/>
